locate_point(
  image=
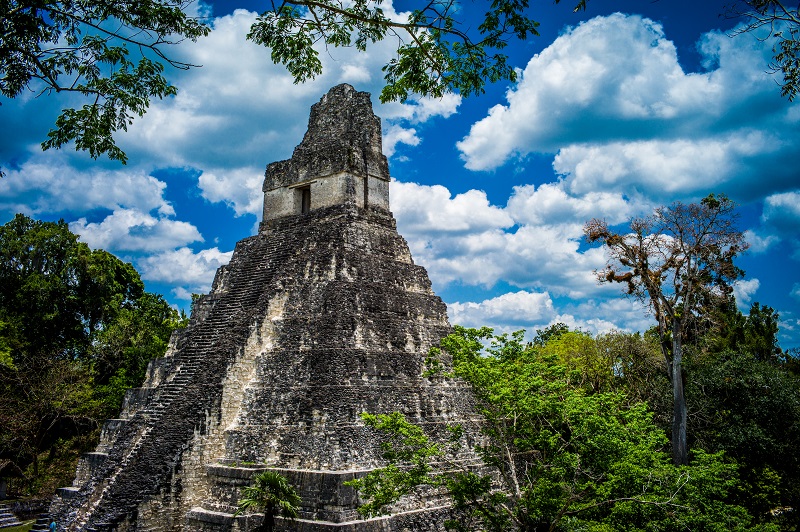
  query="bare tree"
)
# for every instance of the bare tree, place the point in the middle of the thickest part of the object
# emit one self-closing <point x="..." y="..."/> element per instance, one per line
<point x="676" y="260"/>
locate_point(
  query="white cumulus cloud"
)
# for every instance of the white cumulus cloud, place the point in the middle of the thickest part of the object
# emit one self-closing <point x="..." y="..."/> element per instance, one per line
<point x="759" y="243"/>
<point x="780" y="221"/>
<point x="744" y="290"/>
<point x="550" y="204"/>
<point x="433" y="208"/>
<point x="131" y="230"/>
<point x="44" y="184"/>
<point x="188" y="271"/>
<point x="240" y="188"/>
<point x="422" y="109"/>
<point x="395" y="134"/>
<point x="782" y="212"/>
<point x="514" y="308"/>
<point x="536" y="310"/>
<point x="610" y="99"/>
<point x="532" y="243"/>
<point x="605" y="315"/>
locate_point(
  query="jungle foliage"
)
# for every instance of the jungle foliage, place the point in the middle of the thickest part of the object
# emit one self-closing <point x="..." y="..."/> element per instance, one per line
<point x="680" y="262"/>
<point x="84" y="47"/>
<point x="77" y="329"/>
<point x="271" y="494"/>
<point x="573" y="435"/>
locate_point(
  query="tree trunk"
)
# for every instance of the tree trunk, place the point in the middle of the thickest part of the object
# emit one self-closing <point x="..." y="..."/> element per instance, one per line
<point x="680" y="452"/>
<point x="268" y="525"/>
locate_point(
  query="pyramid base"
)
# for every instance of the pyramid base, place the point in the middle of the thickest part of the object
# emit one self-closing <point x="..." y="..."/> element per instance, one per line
<point x="424" y="520"/>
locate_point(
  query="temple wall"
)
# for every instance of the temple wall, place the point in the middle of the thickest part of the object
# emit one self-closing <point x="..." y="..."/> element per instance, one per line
<point x="335" y="189"/>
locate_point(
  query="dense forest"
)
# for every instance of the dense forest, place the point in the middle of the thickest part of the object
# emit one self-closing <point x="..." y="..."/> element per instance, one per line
<point x="77" y="329"/>
<point x="575" y="426"/>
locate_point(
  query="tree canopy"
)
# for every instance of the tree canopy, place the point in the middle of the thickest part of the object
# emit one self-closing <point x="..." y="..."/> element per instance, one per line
<point x="557" y="453"/>
<point x="436" y="52"/>
<point x="114" y="53"/>
<point x="55" y="290"/>
<point x="84" y="47"/>
<point x="77" y="329"/>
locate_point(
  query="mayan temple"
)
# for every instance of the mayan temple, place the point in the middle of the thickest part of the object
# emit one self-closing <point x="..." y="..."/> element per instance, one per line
<point x="321" y="316"/>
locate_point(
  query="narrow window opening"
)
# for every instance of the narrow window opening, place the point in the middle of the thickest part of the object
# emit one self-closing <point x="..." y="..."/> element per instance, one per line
<point x="305" y="200"/>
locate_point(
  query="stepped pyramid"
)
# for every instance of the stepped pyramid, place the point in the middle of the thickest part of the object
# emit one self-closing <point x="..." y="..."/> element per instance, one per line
<point x="321" y="316"/>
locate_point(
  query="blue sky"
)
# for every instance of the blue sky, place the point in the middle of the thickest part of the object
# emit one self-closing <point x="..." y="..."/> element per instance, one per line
<point x="618" y="109"/>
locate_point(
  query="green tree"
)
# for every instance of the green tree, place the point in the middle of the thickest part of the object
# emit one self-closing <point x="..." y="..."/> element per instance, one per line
<point x="39" y="406"/>
<point x="57" y="292"/>
<point x="555" y="455"/>
<point x="755" y="333"/>
<point x="551" y="331"/>
<point x="272" y="495"/>
<point x="750" y="409"/>
<point x="638" y="367"/>
<point x="122" y="350"/>
<point x="580" y="352"/>
<point x="742" y="398"/>
<point x="677" y="260"/>
<point x="76" y="330"/>
<point x="84" y="47"/>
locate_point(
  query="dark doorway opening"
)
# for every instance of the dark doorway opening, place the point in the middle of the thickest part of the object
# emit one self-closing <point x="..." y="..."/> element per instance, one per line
<point x="305" y="200"/>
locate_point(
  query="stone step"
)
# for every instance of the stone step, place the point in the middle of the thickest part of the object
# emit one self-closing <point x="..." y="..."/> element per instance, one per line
<point x="8" y="519"/>
<point x="88" y="463"/>
<point x="68" y="492"/>
<point x="211" y="520"/>
<point x="221" y="519"/>
<point x="42" y="524"/>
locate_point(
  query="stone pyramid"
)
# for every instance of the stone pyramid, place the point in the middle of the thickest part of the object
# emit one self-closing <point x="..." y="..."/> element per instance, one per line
<point x="321" y="316"/>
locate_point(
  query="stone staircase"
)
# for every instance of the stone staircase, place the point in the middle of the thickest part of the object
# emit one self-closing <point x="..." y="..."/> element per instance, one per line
<point x="194" y="368"/>
<point x="8" y="519"/>
<point x="42" y="523"/>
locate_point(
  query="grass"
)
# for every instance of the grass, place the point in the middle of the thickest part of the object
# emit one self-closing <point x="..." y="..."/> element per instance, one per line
<point x="24" y="527"/>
